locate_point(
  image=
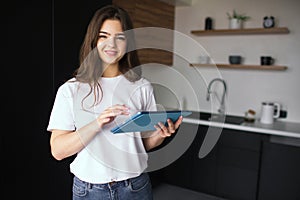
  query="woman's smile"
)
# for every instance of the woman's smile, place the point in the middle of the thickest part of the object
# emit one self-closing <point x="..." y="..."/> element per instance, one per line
<point x="111" y="53"/>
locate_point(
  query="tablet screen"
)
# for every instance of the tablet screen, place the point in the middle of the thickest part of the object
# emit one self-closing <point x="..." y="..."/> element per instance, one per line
<point x="145" y="120"/>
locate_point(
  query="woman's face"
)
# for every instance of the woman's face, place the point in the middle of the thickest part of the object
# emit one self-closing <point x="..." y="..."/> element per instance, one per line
<point x="111" y="44"/>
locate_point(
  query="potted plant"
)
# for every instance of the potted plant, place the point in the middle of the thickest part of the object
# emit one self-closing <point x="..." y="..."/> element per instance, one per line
<point x="236" y="20"/>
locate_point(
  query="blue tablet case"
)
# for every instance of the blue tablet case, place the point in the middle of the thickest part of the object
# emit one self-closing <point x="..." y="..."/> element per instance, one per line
<point x="145" y="120"/>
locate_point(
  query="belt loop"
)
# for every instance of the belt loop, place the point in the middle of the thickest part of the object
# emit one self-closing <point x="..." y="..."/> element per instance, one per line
<point x="127" y="182"/>
<point x="89" y="185"/>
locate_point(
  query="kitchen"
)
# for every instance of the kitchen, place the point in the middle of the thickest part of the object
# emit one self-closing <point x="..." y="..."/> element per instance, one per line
<point x="246" y="89"/>
<point x="229" y="170"/>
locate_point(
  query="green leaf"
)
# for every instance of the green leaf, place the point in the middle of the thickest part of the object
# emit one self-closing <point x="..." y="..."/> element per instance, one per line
<point x="241" y="17"/>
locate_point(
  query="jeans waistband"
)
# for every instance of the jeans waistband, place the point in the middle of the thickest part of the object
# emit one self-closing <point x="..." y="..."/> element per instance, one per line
<point x="112" y="183"/>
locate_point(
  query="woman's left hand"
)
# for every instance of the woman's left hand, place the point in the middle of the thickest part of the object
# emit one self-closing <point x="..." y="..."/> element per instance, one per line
<point x="167" y="131"/>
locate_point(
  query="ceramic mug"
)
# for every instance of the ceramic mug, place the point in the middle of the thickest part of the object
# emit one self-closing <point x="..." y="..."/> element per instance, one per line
<point x="235" y="59"/>
<point x="204" y="59"/>
<point x="266" y="60"/>
<point x="268" y="113"/>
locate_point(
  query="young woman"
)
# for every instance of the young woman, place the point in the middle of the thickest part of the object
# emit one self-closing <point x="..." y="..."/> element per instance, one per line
<point x="107" y="87"/>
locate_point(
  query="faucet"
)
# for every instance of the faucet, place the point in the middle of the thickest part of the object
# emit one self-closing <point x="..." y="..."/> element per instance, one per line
<point x="221" y="110"/>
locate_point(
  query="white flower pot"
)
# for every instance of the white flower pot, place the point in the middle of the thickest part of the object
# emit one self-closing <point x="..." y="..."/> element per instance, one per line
<point x="235" y="23"/>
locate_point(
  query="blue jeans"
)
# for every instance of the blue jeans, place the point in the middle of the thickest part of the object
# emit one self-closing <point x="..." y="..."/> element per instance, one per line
<point x="138" y="188"/>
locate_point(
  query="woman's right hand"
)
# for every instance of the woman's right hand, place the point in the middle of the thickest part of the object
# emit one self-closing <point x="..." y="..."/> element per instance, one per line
<point x="109" y="114"/>
<point x="66" y="143"/>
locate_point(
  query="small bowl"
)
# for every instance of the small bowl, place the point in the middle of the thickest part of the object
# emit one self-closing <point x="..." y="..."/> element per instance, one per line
<point x="235" y="59"/>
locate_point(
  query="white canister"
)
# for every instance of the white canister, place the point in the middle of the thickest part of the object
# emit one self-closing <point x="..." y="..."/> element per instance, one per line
<point x="268" y="113"/>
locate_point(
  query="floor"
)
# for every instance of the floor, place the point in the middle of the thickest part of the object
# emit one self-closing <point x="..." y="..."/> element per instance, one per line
<point x="171" y="192"/>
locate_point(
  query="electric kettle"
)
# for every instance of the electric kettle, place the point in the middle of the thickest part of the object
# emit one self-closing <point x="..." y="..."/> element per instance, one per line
<point x="269" y="112"/>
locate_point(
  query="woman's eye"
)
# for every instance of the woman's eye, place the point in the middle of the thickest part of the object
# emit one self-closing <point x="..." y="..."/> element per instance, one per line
<point x="120" y="38"/>
<point x="103" y="36"/>
<point x="117" y="37"/>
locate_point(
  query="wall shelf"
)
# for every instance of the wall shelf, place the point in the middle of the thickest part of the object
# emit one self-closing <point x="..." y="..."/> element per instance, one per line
<point x="245" y="31"/>
<point x="246" y="66"/>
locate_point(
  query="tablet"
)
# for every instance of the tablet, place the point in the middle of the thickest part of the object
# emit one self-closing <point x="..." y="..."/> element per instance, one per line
<point x="145" y="120"/>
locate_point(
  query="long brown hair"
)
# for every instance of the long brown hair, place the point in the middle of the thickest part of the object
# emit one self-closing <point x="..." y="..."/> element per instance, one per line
<point x="90" y="70"/>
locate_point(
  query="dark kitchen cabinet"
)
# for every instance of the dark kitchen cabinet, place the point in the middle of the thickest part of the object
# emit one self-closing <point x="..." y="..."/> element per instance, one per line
<point x="241" y="166"/>
<point x="280" y="172"/>
<point x="180" y="172"/>
<point x="204" y="169"/>
<point x="238" y="161"/>
<point x="230" y="170"/>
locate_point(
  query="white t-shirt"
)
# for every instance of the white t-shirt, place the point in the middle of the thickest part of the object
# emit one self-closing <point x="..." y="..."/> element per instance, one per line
<point x="108" y="157"/>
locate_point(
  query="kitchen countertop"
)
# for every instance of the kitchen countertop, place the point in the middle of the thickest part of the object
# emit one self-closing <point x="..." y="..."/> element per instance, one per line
<point x="278" y="128"/>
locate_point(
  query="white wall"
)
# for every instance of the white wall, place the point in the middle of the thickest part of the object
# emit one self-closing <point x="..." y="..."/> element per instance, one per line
<point x="246" y="88"/>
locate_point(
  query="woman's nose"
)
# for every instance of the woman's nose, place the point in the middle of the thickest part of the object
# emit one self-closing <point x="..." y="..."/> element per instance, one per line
<point x="111" y="42"/>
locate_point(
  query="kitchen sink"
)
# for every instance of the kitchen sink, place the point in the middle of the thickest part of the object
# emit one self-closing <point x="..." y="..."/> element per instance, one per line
<point x="229" y="119"/>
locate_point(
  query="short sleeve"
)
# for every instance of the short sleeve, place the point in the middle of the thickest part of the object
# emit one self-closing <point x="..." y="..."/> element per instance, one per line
<point x="149" y="98"/>
<point x="62" y="115"/>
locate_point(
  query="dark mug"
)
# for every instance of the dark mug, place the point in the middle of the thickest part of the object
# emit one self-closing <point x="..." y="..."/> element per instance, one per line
<point x="266" y="60"/>
<point x="235" y="59"/>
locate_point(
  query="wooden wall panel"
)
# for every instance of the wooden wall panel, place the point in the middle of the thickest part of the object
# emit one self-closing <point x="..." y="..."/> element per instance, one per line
<point x="152" y="13"/>
<point x="128" y="5"/>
